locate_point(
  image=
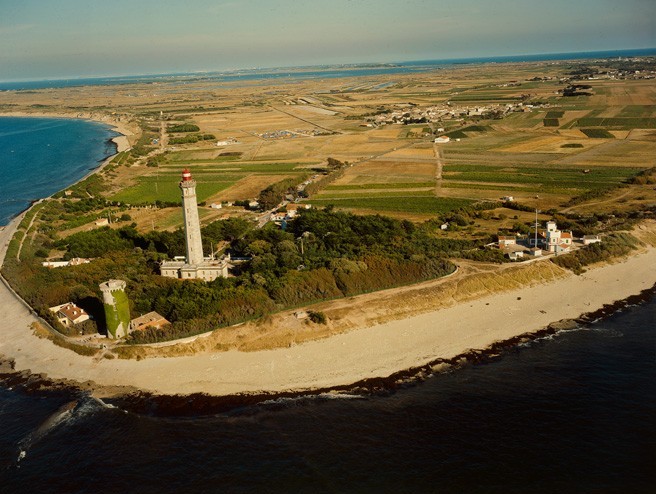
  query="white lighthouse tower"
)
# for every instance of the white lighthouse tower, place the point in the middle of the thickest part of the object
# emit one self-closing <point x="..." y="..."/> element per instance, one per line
<point x="195" y="266"/>
<point x="191" y="221"/>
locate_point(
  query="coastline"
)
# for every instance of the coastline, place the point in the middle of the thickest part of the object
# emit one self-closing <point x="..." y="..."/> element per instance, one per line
<point x="402" y="347"/>
<point x="339" y="361"/>
<point x="122" y="143"/>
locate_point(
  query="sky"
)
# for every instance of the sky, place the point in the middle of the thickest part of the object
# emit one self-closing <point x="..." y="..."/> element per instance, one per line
<point x="41" y="39"/>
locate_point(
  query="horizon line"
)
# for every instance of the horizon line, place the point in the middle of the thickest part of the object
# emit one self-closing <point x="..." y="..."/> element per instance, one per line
<point x="336" y="64"/>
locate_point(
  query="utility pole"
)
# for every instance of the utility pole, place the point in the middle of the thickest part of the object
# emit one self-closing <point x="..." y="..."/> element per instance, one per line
<point x="536" y="228"/>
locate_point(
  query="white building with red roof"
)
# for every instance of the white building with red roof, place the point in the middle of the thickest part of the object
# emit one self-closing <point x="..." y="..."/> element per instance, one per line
<point x="69" y="314"/>
<point x="553" y="240"/>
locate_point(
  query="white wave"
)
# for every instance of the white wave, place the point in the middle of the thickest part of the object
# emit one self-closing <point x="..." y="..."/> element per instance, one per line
<point x="62" y="415"/>
<point x="339" y="396"/>
<point x="608" y="332"/>
<point x="330" y="395"/>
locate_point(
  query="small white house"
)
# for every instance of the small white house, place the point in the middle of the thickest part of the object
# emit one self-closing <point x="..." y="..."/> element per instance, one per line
<point x="507" y="240"/>
<point x="442" y="139"/>
<point x="591" y="239"/>
<point x="216" y="205"/>
<point x="535" y="252"/>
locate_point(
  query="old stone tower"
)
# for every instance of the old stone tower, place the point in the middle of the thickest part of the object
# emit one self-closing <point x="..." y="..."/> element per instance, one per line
<point x="117" y="308"/>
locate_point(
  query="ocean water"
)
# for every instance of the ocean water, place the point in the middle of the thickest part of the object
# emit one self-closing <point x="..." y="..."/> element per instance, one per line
<point x="572" y="412"/>
<point x="40" y="156"/>
<point x="286" y="74"/>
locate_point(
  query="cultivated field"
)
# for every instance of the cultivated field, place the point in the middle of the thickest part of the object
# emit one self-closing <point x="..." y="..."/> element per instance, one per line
<point x="547" y="152"/>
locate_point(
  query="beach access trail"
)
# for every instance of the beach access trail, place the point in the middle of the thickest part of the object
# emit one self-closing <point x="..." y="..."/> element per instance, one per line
<point x="376" y="351"/>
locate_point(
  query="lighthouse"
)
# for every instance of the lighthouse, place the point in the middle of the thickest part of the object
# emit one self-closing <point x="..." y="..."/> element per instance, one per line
<point x="195" y="265"/>
<point x="191" y="221"/>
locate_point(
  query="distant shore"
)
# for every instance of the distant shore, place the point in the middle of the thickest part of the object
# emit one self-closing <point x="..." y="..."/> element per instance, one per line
<point x="122" y="141"/>
<point x="375" y="352"/>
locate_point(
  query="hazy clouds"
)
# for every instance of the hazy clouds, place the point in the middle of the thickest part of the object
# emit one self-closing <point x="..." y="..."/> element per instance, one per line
<point x="71" y="38"/>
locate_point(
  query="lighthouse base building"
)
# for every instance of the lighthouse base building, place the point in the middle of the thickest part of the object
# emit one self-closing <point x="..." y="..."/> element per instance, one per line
<point x="194" y="265"/>
<point x="207" y="270"/>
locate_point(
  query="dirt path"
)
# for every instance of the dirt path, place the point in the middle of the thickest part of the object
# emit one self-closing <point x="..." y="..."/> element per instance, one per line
<point x="595" y="203"/>
<point x="27" y="230"/>
<point x="306" y="121"/>
<point x="439" y="162"/>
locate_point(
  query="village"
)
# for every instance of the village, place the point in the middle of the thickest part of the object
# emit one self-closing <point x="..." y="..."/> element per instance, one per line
<point x="410" y="113"/>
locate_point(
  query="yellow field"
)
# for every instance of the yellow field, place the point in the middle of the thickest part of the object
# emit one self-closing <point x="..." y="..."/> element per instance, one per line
<point x="394" y="156"/>
<point x="376" y="172"/>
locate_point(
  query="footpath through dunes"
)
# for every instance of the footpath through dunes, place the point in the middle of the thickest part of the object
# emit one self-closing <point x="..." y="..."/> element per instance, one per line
<point x="375" y="351"/>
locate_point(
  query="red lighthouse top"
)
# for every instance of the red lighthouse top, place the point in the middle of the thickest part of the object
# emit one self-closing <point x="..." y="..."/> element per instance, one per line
<point x="186" y="175"/>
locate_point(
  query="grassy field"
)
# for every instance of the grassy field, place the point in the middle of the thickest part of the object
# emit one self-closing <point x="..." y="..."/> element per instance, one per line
<point x="247" y="167"/>
<point x="617" y="122"/>
<point x="598" y="133"/>
<point x="551" y="177"/>
<point x="409" y="204"/>
<point x="165" y="188"/>
<point x="370" y="186"/>
<point x="375" y="194"/>
<point x="535" y="150"/>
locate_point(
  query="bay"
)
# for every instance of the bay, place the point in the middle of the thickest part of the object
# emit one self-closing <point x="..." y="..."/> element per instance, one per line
<point x="40" y="156"/>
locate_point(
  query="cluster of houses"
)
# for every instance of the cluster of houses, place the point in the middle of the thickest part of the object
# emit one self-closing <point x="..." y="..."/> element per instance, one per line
<point x="290" y="134"/>
<point x="549" y="240"/>
<point x="412" y="114"/>
<point x="70" y="315"/>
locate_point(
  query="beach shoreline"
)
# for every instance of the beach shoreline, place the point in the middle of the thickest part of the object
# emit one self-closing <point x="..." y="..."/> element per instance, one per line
<point x="377" y="351"/>
<point x="468" y="328"/>
<point x="136" y="400"/>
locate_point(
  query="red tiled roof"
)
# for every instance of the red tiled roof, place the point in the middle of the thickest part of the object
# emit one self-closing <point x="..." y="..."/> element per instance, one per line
<point x="72" y="311"/>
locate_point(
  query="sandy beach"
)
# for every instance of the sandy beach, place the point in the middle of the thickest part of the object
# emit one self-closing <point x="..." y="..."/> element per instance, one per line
<point x="376" y="351"/>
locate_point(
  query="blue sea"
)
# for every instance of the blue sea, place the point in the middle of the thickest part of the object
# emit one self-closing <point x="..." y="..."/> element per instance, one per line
<point x="40" y="156"/>
<point x="286" y="74"/>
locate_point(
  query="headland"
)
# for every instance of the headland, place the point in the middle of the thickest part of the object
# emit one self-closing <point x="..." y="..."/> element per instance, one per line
<point x="376" y="351"/>
<point x="360" y="146"/>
